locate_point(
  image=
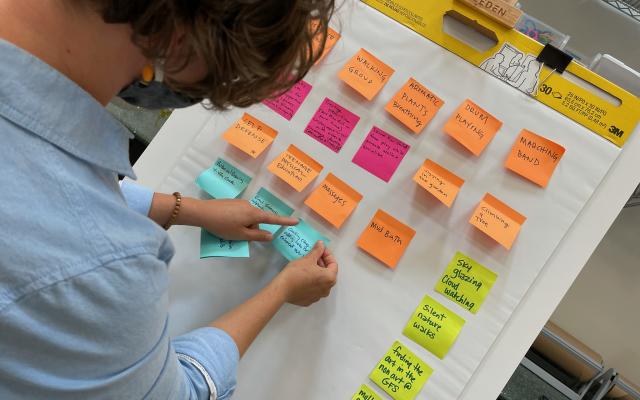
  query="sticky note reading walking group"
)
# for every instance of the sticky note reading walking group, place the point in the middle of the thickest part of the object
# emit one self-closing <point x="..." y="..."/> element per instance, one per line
<point x="440" y="182"/>
<point x="472" y="127"/>
<point x="534" y="157"/>
<point x="331" y="125"/>
<point x="223" y="180"/>
<point x="334" y="200"/>
<point x="250" y="135"/>
<point x="386" y="238"/>
<point x="266" y="201"/>
<point x="401" y="373"/>
<point x="466" y="282"/>
<point x="296" y="241"/>
<point x="414" y="105"/>
<point x="295" y="167"/>
<point x="366" y="74"/>
<point x="365" y="393"/>
<point x="380" y="154"/>
<point x="434" y="327"/>
<point x="332" y="39"/>
<point x="214" y="246"/>
<point x="501" y="222"/>
<point x="287" y="104"/>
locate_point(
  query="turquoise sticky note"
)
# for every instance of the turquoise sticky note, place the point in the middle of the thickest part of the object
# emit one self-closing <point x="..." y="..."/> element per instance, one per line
<point x="296" y="241"/>
<point x="213" y="246"/>
<point x="223" y="180"/>
<point x="266" y="201"/>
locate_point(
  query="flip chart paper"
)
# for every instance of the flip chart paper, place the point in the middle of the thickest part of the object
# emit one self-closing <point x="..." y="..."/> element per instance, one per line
<point x="414" y="105"/>
<point x="401" y="373"/>
<point x="250" y="135"/>
<point x="472" y="126"/>
<point x="296" y="241"/>
<point x="386" y="238"/>
<point x="331" y="125"/>
<point x="214" y="246"/>
<point x="366" y="74"/>
<point x="440" y="182"/>
<point x="534" y="157"/>
<point x="223" y="180"/>
<point x="334" y="200"/>
<point x="497" y="220"/>
<point x="295" y="167"/>
<point x="466" y="282"/>
<point x="332" y="39"/>
<point x="380" y="154"/>
<point x="287" y="104"/>
<point x="365" y="393"/>
<point x="266" y="201"/>
<point x="434" y="327"/>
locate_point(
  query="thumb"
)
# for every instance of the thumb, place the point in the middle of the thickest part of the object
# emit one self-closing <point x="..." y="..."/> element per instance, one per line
<point x="316" y="252"/>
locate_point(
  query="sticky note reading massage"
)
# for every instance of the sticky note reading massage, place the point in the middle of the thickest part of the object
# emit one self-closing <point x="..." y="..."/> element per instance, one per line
<point x="472" y="127"/>
<point x="380" y="154"/>
<point x="296" y="241"/>
<point x="332" y="39"/>
<point x="331" y="125"/>
<point x="365" y="393"/>
<point x="386" y="238"/>
<point x="250" y="135"/>
<point x="287" y="104"/>
<point x="501" y="222"/>
<point x="296" y="168"/>
<point x="266" y="201"/>
<point x="414" y="105"/>
<point x="401" y="373"/>
<point x="223" y="180"/>
<point x="334" y="200"/>
<point x="366" y="74"/>
<point x="214" y="246"/>
<point x="440" y="182"/>
<point x="534" y="157"/>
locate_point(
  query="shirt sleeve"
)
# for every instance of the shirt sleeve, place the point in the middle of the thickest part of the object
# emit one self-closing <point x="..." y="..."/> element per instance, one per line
<point x="138" y="197"/>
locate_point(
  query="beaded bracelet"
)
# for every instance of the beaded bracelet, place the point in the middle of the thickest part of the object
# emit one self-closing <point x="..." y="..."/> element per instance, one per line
<point x="176" y="211"/>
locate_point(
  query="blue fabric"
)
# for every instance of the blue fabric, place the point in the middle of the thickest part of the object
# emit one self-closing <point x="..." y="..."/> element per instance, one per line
<point x="83" y="277"/>
<point x="138" y="197"/>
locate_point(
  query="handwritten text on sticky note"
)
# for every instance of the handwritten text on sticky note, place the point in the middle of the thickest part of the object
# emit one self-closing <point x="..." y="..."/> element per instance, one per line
<point x="287" y="104"/>
<point x="497" y="220"/>
<point x="223" y="180"/>
<point x="439" y="181"/>
<point x="250" y="135"/>
<point x="332" y="39"/>
<point x="386" y="238"/>
<point x="334" y="200"/>
<point x="296" y="241"/>
<point x="366" y="74"/>
<point x="365" y="393"/>
<point x="295" y="167"/>
<point x="266" y="201"/>
<point x="534" y="157"/>
<point x="414" y="105"/>
<point x="472" y="127"/>
<point x="214" y="246"/>
<point x="331" y="125"/>
<point x="380" y="153"/>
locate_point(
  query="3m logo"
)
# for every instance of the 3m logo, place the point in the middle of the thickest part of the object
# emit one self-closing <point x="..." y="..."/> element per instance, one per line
<point x="616" y="131"/>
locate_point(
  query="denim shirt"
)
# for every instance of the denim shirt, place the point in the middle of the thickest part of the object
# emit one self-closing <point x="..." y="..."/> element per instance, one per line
<point x="83" y="270"/>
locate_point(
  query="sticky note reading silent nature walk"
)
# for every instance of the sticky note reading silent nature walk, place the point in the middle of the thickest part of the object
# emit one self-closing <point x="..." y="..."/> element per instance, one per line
<point x="380" y="153"/>
<point x="497" y="220"/>
<point x="365" y="393"/>
<point x="332" y="39"/>
<point x="386" y="238"/>
<point x="250" y="135"/>
<point x="439" y="181"/>
<point x="434" y="327"/>
<point x="472" y="126"/>
<point x="295" y="167"/>
<point x="331" y="125"/>
<point x="296" y="241"/>
<point x="466" y="282"/>
<point x="287" y="104"/>
<point x="223" y="180"/>
<point x="401" y="373"/>
<point x="334" y="200"/>
<point x="214" y="246"/>
<point x="366" y="74"/>
<point x="414" y="105"/>
<point x="534" y="157"/>
<point x="266" y="201"/>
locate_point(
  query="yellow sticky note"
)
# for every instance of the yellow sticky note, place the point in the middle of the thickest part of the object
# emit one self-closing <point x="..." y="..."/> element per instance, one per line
<point x="534" y="157"/>
<point x="386" y="238"/>
<point x="434" y="327"/>
<point x="466" y="282"/>
<point x="295" y="167"/>
<point x="498" y="220"/>
<point x="365" y="393"/>
<point x="250" y="135"/>
<point x="334" y="200"/>
<point x="439" y="181"/>
<point x="414" y="105"/>
<point x="401" y="373"/>
<point x="332" y="39"/>
<point x="366" y="74"/>
<point x="472" y="126"/>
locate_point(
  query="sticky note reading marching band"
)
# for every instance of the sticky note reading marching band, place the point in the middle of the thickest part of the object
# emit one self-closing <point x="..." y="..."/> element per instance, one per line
<point x="366" y="74"/>
<point x="380" y="153"/>
<point x="214" y="246"/>
<point x="434" y="327"/>
<point x="414" y="105"/>
<point x="223" y="180"/>
<point x="534" y="157"/>
<point x="401" y="373"/>
<point x="334" y="200"/>
<point x="497" y="220"/>
<point x="386" y="238"/>
<point x="332" y="39"/>
<point x="365" y="393"/>
<point x="472" y="126"/>
<point x="466" y="282"/>
<point x="296" y="241"/>
<point x="287" y="104"/>
<point x="266" y="201"/>
<point x="440" y="182"/>
<point x="331" y="125"/>
<point x="250" y="135"/>
<point x="295" y="167"/>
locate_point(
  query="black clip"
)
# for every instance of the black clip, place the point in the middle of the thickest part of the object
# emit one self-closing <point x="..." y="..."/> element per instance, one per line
<point x="553" y="58"/>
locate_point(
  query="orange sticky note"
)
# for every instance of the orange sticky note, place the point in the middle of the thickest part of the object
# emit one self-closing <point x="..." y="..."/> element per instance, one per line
<point x="366" y="74"/>
<point x="497" y="220"/>
<point x="414" y="105"/>
<point x="386" y="238"/>
<point x="534" y="157"/>
<point x="472" y="126"/>
<point x="250" y="135"/>
<point x="439" y="181"/>
<point x="334" y="200"/>
<point x="332" y="39"/>
<point x="295" y="167"/>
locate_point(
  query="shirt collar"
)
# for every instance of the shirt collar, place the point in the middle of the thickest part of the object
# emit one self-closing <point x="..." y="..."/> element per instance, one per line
<point x="40" y="99"/>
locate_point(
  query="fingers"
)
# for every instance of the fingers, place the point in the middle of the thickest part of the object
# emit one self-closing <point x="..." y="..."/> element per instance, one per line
<point x="258" y="235"/>
<point x="264" y="217"/>
<point x="316" y="252"/>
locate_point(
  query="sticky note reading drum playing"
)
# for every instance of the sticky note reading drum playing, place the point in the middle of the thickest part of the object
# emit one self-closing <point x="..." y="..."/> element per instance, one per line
<point x="414" y="105"/>
<point x="295" y="167"/>
<point x="440" y="182"/>
<point x="380" y="154"/>
<point x="534" y="157"/>
<point x="472" y="127"/>
<point x="366" y="74"/>
<point x="223" y="180"/>
<point x="296" y="241"/>
<point x="250" y="135"/>
<point x="331" y="125"/>
<point x="386" y="238"/>
<point x="334" y="200"/>
<point x="287" y="104"/>
<point x="498" y="220"/>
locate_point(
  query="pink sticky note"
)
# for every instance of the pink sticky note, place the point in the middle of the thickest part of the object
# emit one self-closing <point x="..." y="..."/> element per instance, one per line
<point x="380" y="153"/>
<point x="331" y="125"/>
<point x="287" y="104"/>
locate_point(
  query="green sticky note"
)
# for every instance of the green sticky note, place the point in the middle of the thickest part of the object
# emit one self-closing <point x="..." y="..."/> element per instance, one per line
<point x="433" y="326"/>
<point x="213" y="246"/>
<point x="401" y="373"/>
<point x="266" y="201"/>
<point x="223" y="180"/>
<point x="296" y="241"/>
<point x="466" y="282"/>
<point x="365" y="393"/>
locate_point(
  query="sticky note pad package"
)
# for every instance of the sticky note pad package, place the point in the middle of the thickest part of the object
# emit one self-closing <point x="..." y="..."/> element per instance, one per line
<point x="223" y="180"/>
<point x="334" y="200"/>
<point x="366" y="74"/>
<point x="440" y="182"/>
<point x="331" y="125"/>
<point x="214" y="246"/>
<point x="287" y="104"/>
<point x="250" y="135"/>
<point x="296" y="241"/>
<point x="501" y="222"/>
<point x="386" y="238"/>
<point x="365" y="393"/>
<point x="296" y="168"/>
<point x="266" y="201"/>
<point x="534" y="157"/>
<point x="380" y="154"/>
<point x="472" y="127"/>
<point x="414" y="105"/>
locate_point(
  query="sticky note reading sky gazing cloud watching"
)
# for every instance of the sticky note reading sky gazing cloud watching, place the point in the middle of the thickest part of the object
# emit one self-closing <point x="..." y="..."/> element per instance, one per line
<point x="295" y="167"/>
<point x="366" y="74"/>
<point x="380" y="153"/>
<point x="472" y="127"/>
<point x="440" y="182"/>
<point x="331" y="125"/>
<point x="534" y="157"/>
<point x="288" y="103"/>
<point x="498" y="220"/>
<point x="250" y="135"/>
<point x="266" y="201"/>
<point x="414" y="105"/>
<point x="223" y="180"/>
<point x="214" y="246"/>
<point x="386" y="238"/>
<point x="334" y="200"/>
<point x="365" y="393"/>
<point x="296" y="241"/>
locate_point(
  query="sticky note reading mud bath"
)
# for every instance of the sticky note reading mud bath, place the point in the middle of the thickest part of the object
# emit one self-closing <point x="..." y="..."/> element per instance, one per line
<point x="386" y="238"/>
<point x="414" y="105"/>
<point x="534" y="157"/>
<point x="295" y="167"/>
<point x="366" y="74"/>
<point x="472" y="127"/>
<point x="334" y="200"/>
<point x="498" y="220"/>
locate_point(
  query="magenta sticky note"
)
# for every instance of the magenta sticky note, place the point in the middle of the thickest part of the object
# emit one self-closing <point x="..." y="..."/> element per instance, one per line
<point x="287" y="104"/>
<point x="331" y="125"/>
<point x="380" y="153"/>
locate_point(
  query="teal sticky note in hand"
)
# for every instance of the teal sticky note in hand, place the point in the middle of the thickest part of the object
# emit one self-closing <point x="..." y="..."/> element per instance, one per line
<point x="223" y="180"/>
<point x="296" y="241"/>
<point x="266" y="201"/>
<point x="213" y="246"/>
